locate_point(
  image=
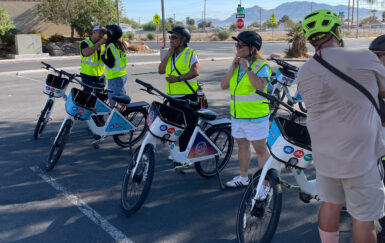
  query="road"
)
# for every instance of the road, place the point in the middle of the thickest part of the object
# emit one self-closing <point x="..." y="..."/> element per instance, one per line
<point x="79" y="200"/>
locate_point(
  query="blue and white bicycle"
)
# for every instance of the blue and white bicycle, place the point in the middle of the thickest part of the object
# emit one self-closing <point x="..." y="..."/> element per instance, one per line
<point x="127" y="127"/>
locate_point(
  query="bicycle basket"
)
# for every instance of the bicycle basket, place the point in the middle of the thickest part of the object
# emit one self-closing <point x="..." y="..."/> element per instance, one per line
<point x="285" y="76"/>
<point x="80" y="104"/>
<point x="55" y="85"/>
<point x="289" y="143"/>
<point x="165" y="122"/>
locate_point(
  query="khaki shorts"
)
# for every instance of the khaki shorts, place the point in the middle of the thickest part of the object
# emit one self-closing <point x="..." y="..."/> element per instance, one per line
<point x="364" y="195"/>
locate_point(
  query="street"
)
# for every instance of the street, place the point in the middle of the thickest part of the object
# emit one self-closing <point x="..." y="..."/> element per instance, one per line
<point x="79" y="201"/>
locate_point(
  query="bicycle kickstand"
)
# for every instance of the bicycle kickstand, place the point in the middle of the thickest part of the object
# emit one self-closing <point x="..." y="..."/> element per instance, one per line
<point x="218" y="175"/>
<point x="96" y="142"/>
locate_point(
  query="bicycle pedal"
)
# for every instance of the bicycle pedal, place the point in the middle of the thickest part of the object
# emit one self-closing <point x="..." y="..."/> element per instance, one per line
<point x="305" y="197"/>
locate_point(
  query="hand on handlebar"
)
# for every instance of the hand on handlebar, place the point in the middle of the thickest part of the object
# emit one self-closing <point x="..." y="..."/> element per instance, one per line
<point x="172" y="79"/>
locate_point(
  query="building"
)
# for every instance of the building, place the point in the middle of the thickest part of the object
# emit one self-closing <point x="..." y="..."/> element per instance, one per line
<point x="24" y="15"/>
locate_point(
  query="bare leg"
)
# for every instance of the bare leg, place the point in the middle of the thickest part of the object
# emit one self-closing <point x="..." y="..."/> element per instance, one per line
<point x="364" y="231"/>
<point x="243" y="156"/>
<point x="261" y="150"/>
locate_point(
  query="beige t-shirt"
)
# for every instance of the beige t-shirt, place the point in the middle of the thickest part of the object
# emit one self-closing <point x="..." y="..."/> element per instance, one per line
<point x="344" y="127"/>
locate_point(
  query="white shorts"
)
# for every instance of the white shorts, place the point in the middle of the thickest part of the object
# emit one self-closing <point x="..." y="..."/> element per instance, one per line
<point x="249" y="130"/>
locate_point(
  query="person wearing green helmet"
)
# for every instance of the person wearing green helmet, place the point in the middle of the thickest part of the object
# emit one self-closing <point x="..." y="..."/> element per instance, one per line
<point x="344" y="127"/>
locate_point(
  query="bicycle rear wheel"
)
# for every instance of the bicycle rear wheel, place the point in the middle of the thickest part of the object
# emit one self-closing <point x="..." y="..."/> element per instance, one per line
<point x="138" y="118"/>
<point x="43" y="119"/>
<point x="280" y="95"/>
<point x="58" y="145"/>
<point x="258" y="224"/>
<point x="221" y="137"/>
<point x="135" y="187"/>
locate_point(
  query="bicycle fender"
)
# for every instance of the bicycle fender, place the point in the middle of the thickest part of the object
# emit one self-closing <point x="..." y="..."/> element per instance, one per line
<point x="218" y="122"/>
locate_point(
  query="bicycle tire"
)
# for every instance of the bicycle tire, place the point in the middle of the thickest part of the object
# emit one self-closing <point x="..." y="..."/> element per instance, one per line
<point x="58" y="146"/>
<point x="138" y="118"/>
<point x="43" y="119"/>
<point x="245" y="212"/>
<point x="302" y="107"/>
<point x="147" y="162"/>
<point x="226" y="147"/>
<point x="275" y="109"/>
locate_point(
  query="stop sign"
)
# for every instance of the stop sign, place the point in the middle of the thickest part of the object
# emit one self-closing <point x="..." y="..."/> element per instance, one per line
<point x="240" y="23"/>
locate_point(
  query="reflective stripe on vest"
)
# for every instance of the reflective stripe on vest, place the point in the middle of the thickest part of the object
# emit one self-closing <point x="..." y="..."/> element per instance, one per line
<point x="92" y="65"/>
<point x="119" y="68"/>
<point x="183" y="66"/>
<point x="244" y="102"/>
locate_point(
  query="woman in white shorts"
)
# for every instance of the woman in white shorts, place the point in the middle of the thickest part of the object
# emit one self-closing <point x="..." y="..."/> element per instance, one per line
<point x="249" y="111"/>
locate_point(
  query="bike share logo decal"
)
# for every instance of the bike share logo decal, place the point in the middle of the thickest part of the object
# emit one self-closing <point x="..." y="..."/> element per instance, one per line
<point x="172" y="146"/>
<point x="74" y="108"/>
<point x="47" y="88"/>
<point x="117" y="126"/>
<point x="80" y="111"/>
<point x="201" y="147"/>
<point x="52" y="90"/>
<point x="150" y="118"/>
<point x="171" y="130"/>
<point x="308" y="157"/>
<point x="163" y="128"/>
<point x="111" y="126"/>
<point x="272" y="134"/>
<point x="299" y="153"/>
<point x="288" y="149"/>
<point x="177" y="133"/>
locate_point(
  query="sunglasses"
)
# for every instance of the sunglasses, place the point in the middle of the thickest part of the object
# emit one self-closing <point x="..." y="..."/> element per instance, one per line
<point x="173" y="37"/>
<point x="238" y="45"/>
<point x="380" y="54"/>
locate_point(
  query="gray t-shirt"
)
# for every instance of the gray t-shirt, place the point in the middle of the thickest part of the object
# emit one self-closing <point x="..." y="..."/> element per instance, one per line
<point x="344" y="127"/>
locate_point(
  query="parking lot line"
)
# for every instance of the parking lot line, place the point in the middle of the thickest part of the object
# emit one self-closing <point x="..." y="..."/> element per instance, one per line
<point x="84" y="208"/>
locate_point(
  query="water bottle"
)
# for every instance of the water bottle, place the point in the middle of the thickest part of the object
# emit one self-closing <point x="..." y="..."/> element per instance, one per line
<point x="201" y="97"/>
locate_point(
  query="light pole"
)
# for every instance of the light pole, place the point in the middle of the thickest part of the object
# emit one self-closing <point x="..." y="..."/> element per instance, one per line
<point x="117" y="11"/>
<point x="163" y="26"/>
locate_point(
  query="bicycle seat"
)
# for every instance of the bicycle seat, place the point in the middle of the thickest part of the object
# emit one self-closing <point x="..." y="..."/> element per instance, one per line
<point x="206" y="114"/>
<point x="122" y="99"/>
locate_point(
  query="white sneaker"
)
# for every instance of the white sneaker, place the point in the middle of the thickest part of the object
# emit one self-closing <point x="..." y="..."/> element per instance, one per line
<point x="265" y="190"/>
<point x="170" y="158"/>
<point x="238" y="181"/>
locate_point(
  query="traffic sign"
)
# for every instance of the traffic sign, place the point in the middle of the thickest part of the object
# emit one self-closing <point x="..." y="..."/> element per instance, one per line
<point x="341" y="14"/>
<point x="240" y="10"/>
<point x="156" y="19"/>
<point x="240" y="23"/>
<point x="272" y="18"/>
<point x="240" y="16"/>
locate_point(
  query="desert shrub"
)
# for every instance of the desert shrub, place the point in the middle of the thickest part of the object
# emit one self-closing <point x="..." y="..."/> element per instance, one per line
<point x="56" y="38"/>
<point x="223" y="34"/>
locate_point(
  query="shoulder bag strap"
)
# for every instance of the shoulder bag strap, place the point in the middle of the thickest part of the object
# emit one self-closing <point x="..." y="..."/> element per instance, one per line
<point x="186" y="82"/>
<point x="349" y="80"/>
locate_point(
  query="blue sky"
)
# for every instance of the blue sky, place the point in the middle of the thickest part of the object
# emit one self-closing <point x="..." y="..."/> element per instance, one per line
<point x="219" y="9"/>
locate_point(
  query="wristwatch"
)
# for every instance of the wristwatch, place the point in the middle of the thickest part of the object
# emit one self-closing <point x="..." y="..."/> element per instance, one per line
<point x="249" y="69"/>
<point x="179" y="79"/>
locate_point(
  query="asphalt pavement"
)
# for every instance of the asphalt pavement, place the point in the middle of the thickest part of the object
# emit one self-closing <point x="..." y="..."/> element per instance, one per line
<point x="79" y="201"/>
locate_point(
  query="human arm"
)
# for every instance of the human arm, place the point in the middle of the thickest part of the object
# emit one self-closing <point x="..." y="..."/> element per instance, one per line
<point x="194" y="72"/>
<point x="88" y="51"/>
<point x="163" y="63"/>
<point x="225" y="81"/>
<point x="109" y="61"/>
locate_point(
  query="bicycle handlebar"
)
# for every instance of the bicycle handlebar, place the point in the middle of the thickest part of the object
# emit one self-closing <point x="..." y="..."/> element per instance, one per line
<point x="71" y="76"/>
<point x="285" y="64"/>
<point x="193" y="105"/>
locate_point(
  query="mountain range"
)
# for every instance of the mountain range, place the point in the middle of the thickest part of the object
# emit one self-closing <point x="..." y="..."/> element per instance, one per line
<point x="295" y="10"/>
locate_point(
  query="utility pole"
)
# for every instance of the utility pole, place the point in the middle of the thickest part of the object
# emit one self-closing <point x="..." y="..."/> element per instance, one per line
<point x="117" y="11"/>
<point x="174" y="19"/>
<point x="348" y="14"/>
<point x="357" y="21"/>
<point x="352" y="12"/>
<point x="202" y="22"/>
<point x="139" y="20"/>
<point x="163" y="26"/>
<point x="311" y="6"/>
<point x="204" y="16"/>
<point x="260" y="19"/>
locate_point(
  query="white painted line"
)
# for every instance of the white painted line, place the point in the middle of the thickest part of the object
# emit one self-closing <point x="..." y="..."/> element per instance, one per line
<point x="84" y="208"/>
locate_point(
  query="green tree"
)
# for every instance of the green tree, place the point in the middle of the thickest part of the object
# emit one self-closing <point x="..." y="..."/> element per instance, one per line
<point x="78" y="14"/>
<point x="297" y="42"/>
<point x="170" y="20"/>
<point x="267" y="24"/>
<point x="223" y="34"/>
<point x="368" y="20"/>
<point x="383" y="16"/>
<point x="5" y="22"/>
<point x="207" y="24"/>
<point x="233" y="27"/>
<point x="149" y="26"/>
<point x="190" y="21"/>
<point x="254" y="24"/>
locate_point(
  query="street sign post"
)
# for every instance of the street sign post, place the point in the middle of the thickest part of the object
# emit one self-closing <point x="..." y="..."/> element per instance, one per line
<point x="156" y="19"/>
<point x="272" y="22"/>
<point x="240" y="23"/>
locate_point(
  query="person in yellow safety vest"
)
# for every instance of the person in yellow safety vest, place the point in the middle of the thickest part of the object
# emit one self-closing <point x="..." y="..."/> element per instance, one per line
<point x="116" y="60"/>
<point x="181" y="68"/>
<point x="91" y="65"/>
<point x="249" y="111"/>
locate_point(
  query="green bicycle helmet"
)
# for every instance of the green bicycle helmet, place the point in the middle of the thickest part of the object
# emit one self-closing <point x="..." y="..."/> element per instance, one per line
<point x="319" y="23"/>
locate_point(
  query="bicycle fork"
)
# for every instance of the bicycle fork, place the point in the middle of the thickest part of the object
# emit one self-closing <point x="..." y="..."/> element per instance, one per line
<point x="68" y="117"/>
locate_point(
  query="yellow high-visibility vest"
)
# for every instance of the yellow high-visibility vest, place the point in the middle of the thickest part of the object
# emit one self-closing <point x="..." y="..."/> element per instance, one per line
<point x="183" y="66"/>
<point x="245" y="103"/>
<point x="91" y="65"/>
<point x="119" y="68"/>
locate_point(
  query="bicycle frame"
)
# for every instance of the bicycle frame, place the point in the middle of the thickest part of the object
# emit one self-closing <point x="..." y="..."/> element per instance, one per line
<point x="305" y="185"/>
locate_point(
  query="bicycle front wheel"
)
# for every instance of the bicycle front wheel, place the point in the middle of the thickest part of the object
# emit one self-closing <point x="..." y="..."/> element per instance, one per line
<point x="43" y="119"/>
<point x="135" y="187"/>
<point x="258" y="224"/>
<point x="58" y="145"/>
<point x="221" y="137"/>
<point x="138" y="118"/>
